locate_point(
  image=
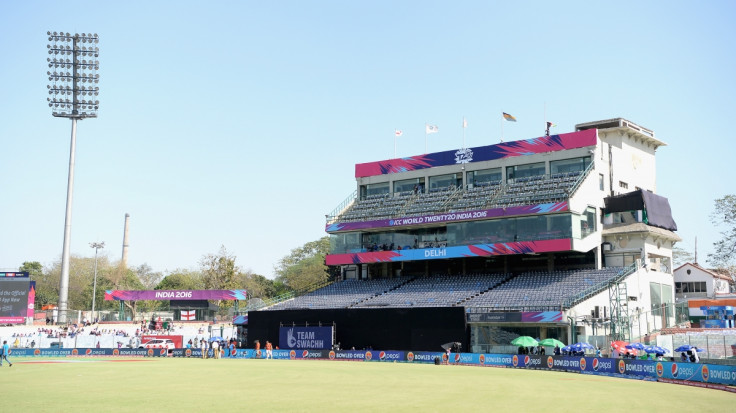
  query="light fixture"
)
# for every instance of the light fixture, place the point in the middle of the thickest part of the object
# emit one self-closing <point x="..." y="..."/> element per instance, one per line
<point x="65" y="85"/>
<point x="82" y="71"/>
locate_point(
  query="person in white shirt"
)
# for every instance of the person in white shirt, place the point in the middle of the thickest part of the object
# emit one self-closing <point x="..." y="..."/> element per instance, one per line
<point x="216" y="349"/>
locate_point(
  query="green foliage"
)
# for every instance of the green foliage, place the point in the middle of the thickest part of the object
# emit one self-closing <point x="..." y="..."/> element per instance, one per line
<point x="681" y="256"/>
<point x="181" y="280"/>
<point x="47" y="291"/>
<point x="304" y="266"/>
<point x="219" y="271"/>
<point x="724" y="217"/>
<point x="148" y="277"/>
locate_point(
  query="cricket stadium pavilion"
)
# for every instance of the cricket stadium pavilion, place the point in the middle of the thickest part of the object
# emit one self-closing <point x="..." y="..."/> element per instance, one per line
<point x="561" y="236"/>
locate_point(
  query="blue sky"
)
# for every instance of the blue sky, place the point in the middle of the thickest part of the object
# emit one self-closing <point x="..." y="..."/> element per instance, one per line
<point x="239" y="123"/>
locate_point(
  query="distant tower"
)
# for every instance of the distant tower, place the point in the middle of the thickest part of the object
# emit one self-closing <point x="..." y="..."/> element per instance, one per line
<point x="125" y="240"/>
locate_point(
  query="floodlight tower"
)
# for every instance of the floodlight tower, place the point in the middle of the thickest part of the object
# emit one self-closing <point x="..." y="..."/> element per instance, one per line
<point x="72" y="97"/>
<point x="96" y="246"/>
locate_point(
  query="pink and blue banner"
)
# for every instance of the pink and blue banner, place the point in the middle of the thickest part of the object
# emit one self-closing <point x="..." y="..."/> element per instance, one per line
<point x="479" y="250"/>
<point x="479" y="154"/>
<point x="452" y="217"/>
<point x="123" y="295"/>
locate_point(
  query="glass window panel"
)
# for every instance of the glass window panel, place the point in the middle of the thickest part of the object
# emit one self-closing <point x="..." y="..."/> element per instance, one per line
<point x="569" y="165"/>
<point x="485" y="176"/>
<point x="407" y="185"/>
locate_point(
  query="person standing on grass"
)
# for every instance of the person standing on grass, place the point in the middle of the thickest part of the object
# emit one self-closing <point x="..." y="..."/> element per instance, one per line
<point x="215" y="349"/>
<point x="4" y="356"/>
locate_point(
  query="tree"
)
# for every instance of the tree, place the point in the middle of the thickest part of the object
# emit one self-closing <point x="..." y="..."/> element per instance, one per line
<point x="148" y="277"/>
<point x="181" y="280"/>
<point x="304" y="266"/>
<point x="219" y="272"/>
<point x="724" y="217"/>
<point x="122" y="278"/>
<point x="681" y="256"/>
<point x="256" y="285"/>
<point x="46" y="293"/>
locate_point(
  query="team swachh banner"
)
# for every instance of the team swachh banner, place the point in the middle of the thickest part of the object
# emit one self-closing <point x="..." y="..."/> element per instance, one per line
<point x="305" y="337"/>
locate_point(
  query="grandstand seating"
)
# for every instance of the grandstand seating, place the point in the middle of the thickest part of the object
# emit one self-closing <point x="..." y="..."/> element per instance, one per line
<point x="341" y="294"/>
<point x="527" y="291"/>
<point x="521" y="191"/>
<point x="435" y="291"/>
<point x="539" y="290"/>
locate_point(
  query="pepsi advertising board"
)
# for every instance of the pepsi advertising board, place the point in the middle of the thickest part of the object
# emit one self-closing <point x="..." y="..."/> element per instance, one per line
<point x="704" y="373"/>
<point x="298" y="338"/>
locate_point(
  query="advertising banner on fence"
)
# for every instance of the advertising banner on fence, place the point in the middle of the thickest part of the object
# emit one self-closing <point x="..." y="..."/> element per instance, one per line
<point x="305" y="337"/>
<point x="705" y="373"/>
<point x="70" y="352"/>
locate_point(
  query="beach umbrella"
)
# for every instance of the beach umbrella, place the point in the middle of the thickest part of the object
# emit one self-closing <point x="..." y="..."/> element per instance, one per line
<point x="525" y="341"/>
<point x="551" y="342"/>
<point x="581" y="347"/>
<point x="687" y="347"/>
<point x="636" y="346"/>
<point x="656" y="350"/>
<point x="619" y="345"/>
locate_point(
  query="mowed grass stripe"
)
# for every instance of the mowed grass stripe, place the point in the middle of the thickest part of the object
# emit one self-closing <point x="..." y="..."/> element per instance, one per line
<point x="331" y="386"/>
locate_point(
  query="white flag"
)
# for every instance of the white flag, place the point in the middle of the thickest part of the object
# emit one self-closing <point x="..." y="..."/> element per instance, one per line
<point x="432" y="129"/>
<point x="398" y="133"/>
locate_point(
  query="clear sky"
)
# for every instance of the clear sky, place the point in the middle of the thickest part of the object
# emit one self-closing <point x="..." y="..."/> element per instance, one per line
<point x="239" y="123"/>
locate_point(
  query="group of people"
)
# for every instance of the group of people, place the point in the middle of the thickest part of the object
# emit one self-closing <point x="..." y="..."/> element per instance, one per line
<point x="217" y="347"/>
<point x="532" y="350"/>
<point x="268" y="347"/>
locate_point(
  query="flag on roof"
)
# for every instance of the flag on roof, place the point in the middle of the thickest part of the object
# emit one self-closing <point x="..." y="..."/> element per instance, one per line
<point x="398" y="133"/>
<point x="509" y="117"/>
<point x="432" y="129"/>
<point x="550" y="125"/>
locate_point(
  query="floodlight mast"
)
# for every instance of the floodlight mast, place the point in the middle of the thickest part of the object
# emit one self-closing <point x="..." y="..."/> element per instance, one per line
<point x="66" y="84"/>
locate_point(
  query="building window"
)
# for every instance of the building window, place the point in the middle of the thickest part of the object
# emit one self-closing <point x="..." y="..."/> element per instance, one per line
<point x="691" y="287"/>
<point x="601" y="182"/>
<point x="623" y="185"/>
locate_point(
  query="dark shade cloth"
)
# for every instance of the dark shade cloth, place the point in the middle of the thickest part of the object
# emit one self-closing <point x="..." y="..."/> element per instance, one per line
<point x="657" y="208"/>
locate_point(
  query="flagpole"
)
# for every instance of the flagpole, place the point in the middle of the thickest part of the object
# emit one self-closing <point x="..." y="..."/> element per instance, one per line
<point x="425" y="138"/>
<point x="394" y="143"/>
<point x="463" y="132"/>
<point x="502" y="128"/>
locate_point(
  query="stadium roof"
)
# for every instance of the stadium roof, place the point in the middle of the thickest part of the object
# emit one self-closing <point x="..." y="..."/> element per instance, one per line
<point x="646" y="135"/>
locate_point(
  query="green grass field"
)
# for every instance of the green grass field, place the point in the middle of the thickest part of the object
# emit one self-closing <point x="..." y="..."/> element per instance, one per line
<point x="163" y="385"/>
